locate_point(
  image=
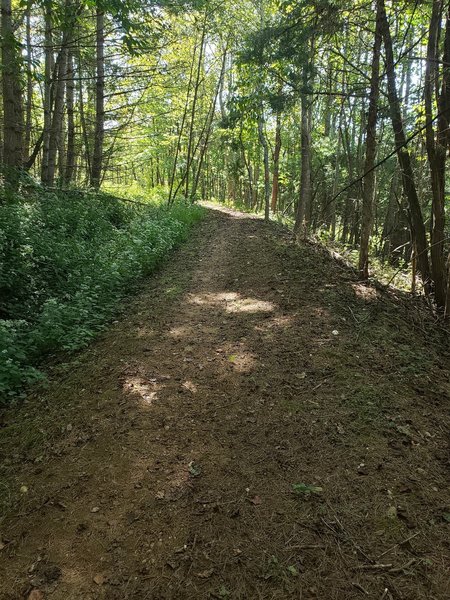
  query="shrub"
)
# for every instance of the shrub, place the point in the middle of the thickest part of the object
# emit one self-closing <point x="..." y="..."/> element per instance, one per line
<point x="66" y="258"/>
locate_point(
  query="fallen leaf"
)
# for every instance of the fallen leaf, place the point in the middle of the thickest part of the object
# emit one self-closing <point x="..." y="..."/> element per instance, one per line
<point x="99" y="579"/>
<point x="191" y="387"/>
<point x="205" y="574"/>
<point x="256" y="500"/>
<point x="23" y="489"/>
<point x="36" y="595"/>
<point x="96" y="509"/>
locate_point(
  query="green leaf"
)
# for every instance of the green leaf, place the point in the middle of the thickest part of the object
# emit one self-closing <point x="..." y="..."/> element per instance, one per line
<point x="306" y="488"/>
<point x="194" y="469"/>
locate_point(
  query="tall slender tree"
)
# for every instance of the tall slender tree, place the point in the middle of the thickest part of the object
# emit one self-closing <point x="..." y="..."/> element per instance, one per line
<point x="99" y="135"/>
<point x="371" y="149"/>
<point x="13" y="130"/>
<point x="415" y="210"/>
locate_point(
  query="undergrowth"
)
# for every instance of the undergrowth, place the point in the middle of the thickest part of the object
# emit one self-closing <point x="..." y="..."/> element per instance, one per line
<point x="66" y="258"/>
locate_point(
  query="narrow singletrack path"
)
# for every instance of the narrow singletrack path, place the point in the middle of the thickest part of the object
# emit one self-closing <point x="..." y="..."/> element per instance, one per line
<point x="256" y="425"/>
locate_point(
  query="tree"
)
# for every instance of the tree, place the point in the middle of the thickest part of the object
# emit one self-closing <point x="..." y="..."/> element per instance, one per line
<point x="13" y="138"/>
<point x="97" y="155"/>
<point x="437" y="142"/>
<point x="371" y="149"/>
<point x="415" y="211"/>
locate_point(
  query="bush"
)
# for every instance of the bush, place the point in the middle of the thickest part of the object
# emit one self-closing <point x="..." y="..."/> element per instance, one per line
<point x="66" y="258"/>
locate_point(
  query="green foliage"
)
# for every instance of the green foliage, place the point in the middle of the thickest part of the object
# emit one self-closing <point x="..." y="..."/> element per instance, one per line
<point x="14" y="370"/>
<point x="66" y="258"/>
<point x="306" y="488"/>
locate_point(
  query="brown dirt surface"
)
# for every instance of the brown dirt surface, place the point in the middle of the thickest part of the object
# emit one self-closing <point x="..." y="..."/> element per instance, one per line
<point x="256" y="425"/>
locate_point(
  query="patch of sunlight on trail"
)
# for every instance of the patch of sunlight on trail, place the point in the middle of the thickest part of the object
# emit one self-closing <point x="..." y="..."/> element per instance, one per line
<point x="181" y="331"/>
<point x="144" y="389"/>
<point x="250" y="305"/>
<point x="365" y="292"/>
<point x="234" y="302"/>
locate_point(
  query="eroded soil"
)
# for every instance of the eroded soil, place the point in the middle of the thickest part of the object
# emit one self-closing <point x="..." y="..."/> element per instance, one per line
<point x="160" y="463"/>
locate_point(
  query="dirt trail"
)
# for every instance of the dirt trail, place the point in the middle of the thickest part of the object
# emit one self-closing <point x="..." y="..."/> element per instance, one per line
<point x="160" y="463"/>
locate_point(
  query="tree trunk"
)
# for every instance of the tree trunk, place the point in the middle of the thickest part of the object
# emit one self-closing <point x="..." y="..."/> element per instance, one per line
<point x="300" y="227"/>
<point x="265" y="145"/>
<point x="304" y="202"/>
<point x="70" y="100"/>
<point x="417" y="222"/>
<point x="97" y="155"/>
<point x="190" y="151"/>
<point x="58" y="113"/>
<point x="29" y="104"/>
<point x="208" y="126"/>
<point x="84" y="128"/>
<point x="248" y="168"/>
<point x="276" y="163"/>
<point x="12" y="96"/>
<point x="447" y="300"/>
<point x="371" y="150"/>
<point x="172" y="189"/>
<point x="437" y="147"/>
<point x="48" y="84"/>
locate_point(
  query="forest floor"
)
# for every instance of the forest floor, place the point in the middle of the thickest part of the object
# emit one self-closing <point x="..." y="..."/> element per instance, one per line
<point x="256" y="425"/>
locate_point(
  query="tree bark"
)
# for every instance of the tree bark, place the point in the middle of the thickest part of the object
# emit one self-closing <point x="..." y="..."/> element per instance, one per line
<point x="12" y="96"/>
<point x="97" y="155"/>
<point x="70" y="102"/>
<point x="436" y="145"/>
<point x="371" y="150"/>
<point x="208" y="125"/>
<point x="172" y="189"/>
<point x="29" y="104"/>
<point x="48" y="84"/>
<point x="265" y="145"/>
<point x="190" y="151"/>
<point x="58" y="113"/>
<point x="276" y="163"/>
<point x="300" y="227"/>
<point x="248" y="168"/>
<point x="417" y="223"/>
<point x="304" y="201"/>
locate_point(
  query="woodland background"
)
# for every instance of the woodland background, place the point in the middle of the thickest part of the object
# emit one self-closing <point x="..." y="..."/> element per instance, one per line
<point x="117" y="117"/>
